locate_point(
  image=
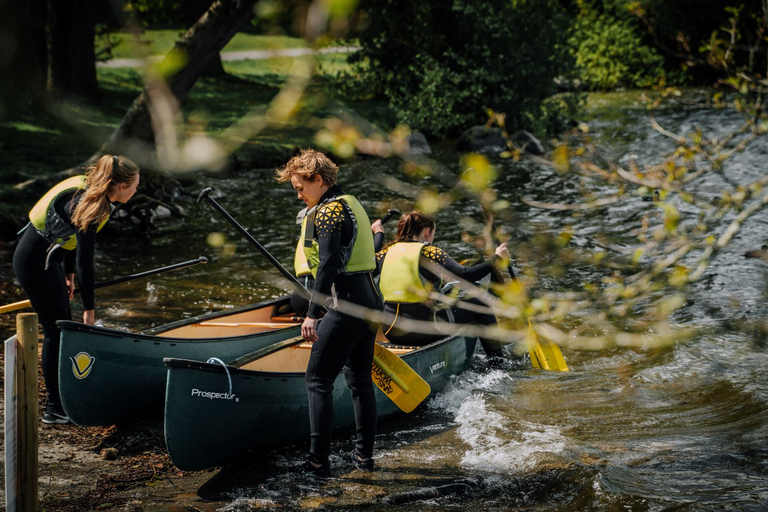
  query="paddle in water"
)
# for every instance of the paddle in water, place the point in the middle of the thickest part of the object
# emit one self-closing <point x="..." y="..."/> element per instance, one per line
<point x="547" y="355"/>
<point x="389" y="370"/>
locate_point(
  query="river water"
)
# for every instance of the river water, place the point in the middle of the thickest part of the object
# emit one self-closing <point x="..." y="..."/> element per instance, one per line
<point x="682" y="427"/>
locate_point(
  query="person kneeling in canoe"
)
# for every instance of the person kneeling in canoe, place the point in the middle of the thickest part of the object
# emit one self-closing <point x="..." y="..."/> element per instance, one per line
<point x="60" y="236"/>
<point x="411" y="267"/>
<point x="338" y="245"/>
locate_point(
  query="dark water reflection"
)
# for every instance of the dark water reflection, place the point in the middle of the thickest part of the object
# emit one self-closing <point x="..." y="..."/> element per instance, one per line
<point x="680" y="428"/>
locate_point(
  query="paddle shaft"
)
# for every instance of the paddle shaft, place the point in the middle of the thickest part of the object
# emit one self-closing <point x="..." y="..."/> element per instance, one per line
<point x="202" y="259"/>
<point x="205" y="195"/>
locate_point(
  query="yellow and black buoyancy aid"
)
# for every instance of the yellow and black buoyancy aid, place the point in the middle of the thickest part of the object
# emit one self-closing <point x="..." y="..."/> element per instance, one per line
<point x="300" y="264"/>
<point x="47" y="221"/>
<point x="359" y="255"/>
<point x="400" y="280"/>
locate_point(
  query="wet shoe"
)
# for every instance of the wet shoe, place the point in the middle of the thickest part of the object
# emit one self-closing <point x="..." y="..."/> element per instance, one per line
<point x="323" y="471"/>
<point x="362" y="463"/>
<point x="55" y="418"/>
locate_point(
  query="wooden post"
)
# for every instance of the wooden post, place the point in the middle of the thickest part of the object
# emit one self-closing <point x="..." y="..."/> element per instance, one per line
<point x="26" y="387"/>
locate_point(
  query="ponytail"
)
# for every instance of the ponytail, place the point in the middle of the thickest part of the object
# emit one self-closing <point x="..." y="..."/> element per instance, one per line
<point x="410" y="225"/>
<point x="93" y="205"/>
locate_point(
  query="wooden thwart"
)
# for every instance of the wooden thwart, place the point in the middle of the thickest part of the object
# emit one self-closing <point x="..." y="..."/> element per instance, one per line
<point x="245" y="324"/>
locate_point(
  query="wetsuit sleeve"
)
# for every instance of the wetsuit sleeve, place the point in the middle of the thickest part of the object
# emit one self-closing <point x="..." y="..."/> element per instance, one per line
<point x="69" y="262"/>
<point x="378" y="241"/>
<point x="379" y="261"/>
<point x="328" y="227"/>
<point x="86" y="246"/>
<point x="472" y="273"/>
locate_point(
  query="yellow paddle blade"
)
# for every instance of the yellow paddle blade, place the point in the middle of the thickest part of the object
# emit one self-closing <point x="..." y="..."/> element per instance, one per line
<point x="397" y="380"/>
<point x="547" y="355"/>
<point x="14" y="306"/>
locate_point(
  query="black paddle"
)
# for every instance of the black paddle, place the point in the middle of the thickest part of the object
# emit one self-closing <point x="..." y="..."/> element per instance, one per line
<point x="202" y="259"/>
<point x="390" y="213"/>
<point x="205" y="194"/>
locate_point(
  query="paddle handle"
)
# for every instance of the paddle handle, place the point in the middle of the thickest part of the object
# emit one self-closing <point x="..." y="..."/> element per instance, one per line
<point x="205" y="195"/>
<point x="391" y="213"/>
<point x="202" y="259"/>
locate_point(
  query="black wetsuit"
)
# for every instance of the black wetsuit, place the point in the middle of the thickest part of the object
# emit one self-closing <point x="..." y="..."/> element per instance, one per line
<point x="424" y="312"/>
<point x="299" y="303"/>
<point x="47" y="289"/>
<point x="344" y="341"/>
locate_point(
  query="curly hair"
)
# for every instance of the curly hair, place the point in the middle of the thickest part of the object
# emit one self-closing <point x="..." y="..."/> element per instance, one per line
<point x="308" y="164"/>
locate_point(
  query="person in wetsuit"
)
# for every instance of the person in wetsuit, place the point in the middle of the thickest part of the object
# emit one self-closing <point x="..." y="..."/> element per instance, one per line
<point x="338" y="245"/>
<point x="60" y="237"/>
<point x="410" y="268"/>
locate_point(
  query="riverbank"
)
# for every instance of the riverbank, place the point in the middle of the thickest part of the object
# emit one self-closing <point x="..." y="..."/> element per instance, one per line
<point x="223" y="107"/>
<point x="88" y="468"/>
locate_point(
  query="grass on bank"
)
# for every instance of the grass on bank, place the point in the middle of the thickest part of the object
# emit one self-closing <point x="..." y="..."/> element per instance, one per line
<point x="34" y="144"/>
<point x="151" y="43"/>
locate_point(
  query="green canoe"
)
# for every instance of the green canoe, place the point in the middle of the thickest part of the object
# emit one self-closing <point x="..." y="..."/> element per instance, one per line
<point x="109" y="376"/>
<point x="216" y="414"/>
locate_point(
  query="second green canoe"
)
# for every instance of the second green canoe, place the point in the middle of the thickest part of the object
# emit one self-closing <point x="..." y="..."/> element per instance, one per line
<point x="217" y="414"/>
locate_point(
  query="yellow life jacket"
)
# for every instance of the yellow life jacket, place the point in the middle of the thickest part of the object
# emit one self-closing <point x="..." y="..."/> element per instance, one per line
<point x="47" y="221"/>
<point x="300" y="264"/>
<point x="400" y="280"/>
<point x="359" y="256"/>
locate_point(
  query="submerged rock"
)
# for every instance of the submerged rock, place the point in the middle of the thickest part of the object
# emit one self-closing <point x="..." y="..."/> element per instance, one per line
<point x="417" y="144"/>
<point x="482" y="140"/>
<point x="528" y="143"/>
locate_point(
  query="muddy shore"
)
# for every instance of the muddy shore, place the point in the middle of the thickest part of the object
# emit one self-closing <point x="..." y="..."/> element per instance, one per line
<point x="92" y="468"/>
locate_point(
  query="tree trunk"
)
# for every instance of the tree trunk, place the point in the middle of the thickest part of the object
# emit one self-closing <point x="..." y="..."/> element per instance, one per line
<point x="193" y="9"/>
<point x="201" y="44"/>
<point x="214" y="67"/>
<point x="20" y="64"/>
<point x="70" y="31"/>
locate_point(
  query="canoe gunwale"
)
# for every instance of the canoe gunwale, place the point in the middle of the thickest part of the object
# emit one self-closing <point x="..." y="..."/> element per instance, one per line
<point x="152" y="334"/>
<point x="218" y="368"/>
<point x="116" y="333"/>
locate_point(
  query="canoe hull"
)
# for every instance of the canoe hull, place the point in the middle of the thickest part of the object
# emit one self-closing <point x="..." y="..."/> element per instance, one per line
<point x="207" y="426"/>
<point x="108" y="376"/>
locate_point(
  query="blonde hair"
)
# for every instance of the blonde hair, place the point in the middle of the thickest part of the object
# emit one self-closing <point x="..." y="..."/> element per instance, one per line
<point x="308" y="164"/>
<point x="108" y="171"/>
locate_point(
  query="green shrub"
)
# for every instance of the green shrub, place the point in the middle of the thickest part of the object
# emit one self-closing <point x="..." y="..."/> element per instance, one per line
<point x="442" y="65"/>
<point x="610" y="52"/>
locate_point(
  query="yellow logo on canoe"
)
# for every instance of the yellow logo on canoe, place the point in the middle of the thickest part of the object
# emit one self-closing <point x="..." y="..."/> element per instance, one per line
<point x="82" y="364"/>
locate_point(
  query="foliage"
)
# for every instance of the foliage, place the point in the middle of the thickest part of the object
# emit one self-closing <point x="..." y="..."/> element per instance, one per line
<point x="610" y="51"/>
<point x="680" y="29"/>
<point x="645" y="283"/>
<point x="442" y="65"/>
<point x="158" y="13"/>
